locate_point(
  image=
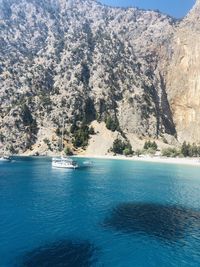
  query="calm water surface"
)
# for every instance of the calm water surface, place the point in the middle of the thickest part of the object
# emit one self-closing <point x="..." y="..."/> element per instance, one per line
<point x="115" y="214"/>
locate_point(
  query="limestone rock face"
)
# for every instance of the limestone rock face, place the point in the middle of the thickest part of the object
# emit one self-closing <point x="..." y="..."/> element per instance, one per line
<point x="183" y="79"/>
<point x="83" y="61"/>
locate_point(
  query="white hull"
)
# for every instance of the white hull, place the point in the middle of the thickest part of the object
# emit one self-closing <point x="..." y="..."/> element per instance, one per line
<point x="64" y="163"/>
<point x="63" y="166"/>
<point x="5" y="159"/>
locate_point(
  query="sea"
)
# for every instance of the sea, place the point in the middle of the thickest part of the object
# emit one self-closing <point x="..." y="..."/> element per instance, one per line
<point x="112" y="213"/>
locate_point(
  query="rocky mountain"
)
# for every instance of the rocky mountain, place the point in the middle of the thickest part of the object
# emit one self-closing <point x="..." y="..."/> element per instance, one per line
<point x="82" y="62"/>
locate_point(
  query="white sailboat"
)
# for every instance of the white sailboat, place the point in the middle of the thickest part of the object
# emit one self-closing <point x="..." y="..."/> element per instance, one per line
<point x="4" y="157"/>
<point x="62" y="161"/>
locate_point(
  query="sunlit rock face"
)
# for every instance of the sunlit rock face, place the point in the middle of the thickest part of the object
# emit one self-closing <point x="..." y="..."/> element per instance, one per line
<point x="84" y="61"/>
<point x="58" y="56"/>
<point x="183" y="79"/>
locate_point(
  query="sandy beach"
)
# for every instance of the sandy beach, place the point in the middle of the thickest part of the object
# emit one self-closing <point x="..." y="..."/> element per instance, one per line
<point x="186" y="161"/>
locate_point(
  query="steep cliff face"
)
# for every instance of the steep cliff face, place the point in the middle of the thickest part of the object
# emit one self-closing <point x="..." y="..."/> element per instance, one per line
<point x="82" y="61"/>
<point x="183" y="79"/>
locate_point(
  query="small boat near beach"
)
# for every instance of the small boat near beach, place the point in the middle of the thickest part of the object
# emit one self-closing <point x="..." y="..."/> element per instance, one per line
<point x="5" y="159"/>
<point x="87" y="163"/>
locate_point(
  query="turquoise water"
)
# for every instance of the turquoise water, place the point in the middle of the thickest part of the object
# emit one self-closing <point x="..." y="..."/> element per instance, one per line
<point x="114" y="214"/>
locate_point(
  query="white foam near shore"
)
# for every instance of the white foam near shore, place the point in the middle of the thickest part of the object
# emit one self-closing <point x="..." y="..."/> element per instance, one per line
<point x="187" y="161"/>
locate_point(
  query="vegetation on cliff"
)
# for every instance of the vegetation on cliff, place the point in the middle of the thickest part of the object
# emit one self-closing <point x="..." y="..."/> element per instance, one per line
<point x="90" y="62"/>
<point x="122" y="147"/>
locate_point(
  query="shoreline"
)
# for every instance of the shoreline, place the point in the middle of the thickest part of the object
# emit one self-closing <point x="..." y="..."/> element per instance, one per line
<point x="158" y="159"/>
<point x="182" y="161"/>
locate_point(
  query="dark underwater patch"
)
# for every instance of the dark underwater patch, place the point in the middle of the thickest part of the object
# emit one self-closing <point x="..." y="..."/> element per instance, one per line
<point x="169" y="223"/>
<point x="65" y="253"/>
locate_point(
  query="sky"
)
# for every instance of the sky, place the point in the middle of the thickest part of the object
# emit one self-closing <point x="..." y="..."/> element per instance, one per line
<point x="175" y="8"/>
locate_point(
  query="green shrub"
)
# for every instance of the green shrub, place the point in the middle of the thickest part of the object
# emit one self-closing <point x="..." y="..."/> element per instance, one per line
<point x="118" y="146"/>
<point x="128" y="149"/>
<point x="12" y="149"/>
<point x="150" y="145"/>
<point x="185" y="149"/>
<point x="26" y="115"/>
<point x="127" y="152"/>
<point x="149" y="151"/>
<point x="112" y="124"/>
<point x="165" y="140"/>
<point x="91" y="130"/>
<point x="81" y="136"/>
<point x="73" y="128"/>
<point x="1" y="137"/>
<point x="171" y="152"/>
<point x="58" y="132"/>
<point x="68" y="151"/>
<point x="46" y="141"/>
<point x="28" y="119"/>
<point x="121" y="147"/>
<point x="189" y="150"/>
<point x="138" y="152"/>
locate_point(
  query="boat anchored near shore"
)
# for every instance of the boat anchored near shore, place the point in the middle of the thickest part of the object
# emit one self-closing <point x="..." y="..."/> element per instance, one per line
<point x="5" y="159"/>
<point x="64" y="162"/>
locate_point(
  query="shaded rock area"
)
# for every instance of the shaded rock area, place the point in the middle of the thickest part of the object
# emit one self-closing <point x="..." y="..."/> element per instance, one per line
<point x="167" y="223"/>
<point x="63" y="253"/>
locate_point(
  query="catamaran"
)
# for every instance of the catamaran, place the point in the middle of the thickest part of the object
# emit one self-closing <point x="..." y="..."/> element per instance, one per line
<point x="62" y="161"/>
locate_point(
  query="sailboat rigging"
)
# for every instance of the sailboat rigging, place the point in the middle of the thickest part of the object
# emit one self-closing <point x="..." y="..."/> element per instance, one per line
<point x="62" y="161"/>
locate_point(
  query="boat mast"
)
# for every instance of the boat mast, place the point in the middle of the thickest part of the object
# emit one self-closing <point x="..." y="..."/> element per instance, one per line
<point x="62" y="135"/>
<point x="4" y="147"/>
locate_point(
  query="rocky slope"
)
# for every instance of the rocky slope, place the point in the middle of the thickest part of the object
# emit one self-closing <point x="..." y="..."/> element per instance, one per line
<point x="82" y="61"/>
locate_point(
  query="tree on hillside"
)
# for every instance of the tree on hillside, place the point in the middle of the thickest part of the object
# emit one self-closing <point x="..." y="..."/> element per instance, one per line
<point x="121" y="147"/>
<point x="150" y="145"/>
<point x="112" y="124"/>
<point x="185" y="149"/>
